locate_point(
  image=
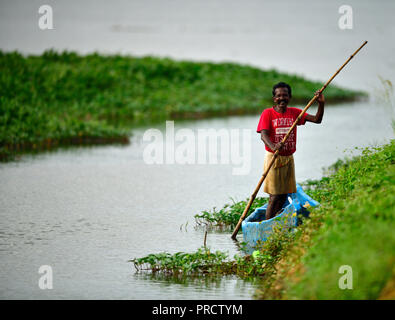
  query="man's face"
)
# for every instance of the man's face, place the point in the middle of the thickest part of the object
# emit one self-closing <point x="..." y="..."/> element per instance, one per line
<point x="281" y="97"/>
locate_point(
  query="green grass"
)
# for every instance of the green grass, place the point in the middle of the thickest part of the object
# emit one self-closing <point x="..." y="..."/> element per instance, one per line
<point x="65" y="98"/>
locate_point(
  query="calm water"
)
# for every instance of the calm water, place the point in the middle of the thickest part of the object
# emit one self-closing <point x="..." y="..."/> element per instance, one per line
<point x="86" y="211"/>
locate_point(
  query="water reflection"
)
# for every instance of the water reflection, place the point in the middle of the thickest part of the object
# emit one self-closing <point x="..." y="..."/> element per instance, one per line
<point x="203" y="287"/>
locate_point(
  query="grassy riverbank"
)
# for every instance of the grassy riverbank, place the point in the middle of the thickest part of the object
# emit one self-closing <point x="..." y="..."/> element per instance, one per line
<point x="353" y="226"/>
<point x="65" y="98"/>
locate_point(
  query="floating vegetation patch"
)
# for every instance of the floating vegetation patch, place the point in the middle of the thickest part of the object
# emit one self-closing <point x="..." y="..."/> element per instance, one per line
<point x="206" y="262"/>
<point x="66" y="98"/>
<point x="201" y="262"/>
<point x="228" y="216"/>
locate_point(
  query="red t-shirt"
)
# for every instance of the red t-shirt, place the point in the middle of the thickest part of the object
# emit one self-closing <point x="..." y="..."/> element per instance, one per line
<point x="278" y="125"/>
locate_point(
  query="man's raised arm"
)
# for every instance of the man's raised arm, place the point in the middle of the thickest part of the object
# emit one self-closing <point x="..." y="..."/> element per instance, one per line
<point x="320" y="112"/>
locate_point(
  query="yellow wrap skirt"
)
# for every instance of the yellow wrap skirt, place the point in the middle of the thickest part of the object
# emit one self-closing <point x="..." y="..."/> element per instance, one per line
<point x="281" y="177"/>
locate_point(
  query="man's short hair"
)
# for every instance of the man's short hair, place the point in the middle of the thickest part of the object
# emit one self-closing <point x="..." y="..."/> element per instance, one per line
<point x="282" y="85"/>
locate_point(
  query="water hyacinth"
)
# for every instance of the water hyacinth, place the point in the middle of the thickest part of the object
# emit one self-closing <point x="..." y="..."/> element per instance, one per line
<point x="66" y="98"/>
<point x="206" y="262"/>
<point x="228" y="216"/>
<point x="202" y="261"/>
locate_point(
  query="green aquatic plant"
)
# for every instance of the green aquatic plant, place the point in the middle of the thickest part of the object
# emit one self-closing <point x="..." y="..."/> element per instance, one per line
<point x="206" y="262"/>
<point x="229" y="215"/>
<point x="201" y="262"/>
<point x="65" y="98"/>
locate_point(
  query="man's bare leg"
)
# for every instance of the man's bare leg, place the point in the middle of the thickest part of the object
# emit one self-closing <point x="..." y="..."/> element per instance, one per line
<point x="276" y="202"/>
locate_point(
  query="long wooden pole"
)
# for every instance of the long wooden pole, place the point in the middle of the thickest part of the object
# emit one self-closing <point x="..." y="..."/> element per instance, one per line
<point x="253" y="196"/>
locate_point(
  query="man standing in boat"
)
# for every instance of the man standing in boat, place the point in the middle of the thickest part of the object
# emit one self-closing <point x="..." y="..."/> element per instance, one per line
<point x="274" y="124"/>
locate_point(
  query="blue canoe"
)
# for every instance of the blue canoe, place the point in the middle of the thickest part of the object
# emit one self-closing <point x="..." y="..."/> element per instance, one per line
<point x="255" y="227"/>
